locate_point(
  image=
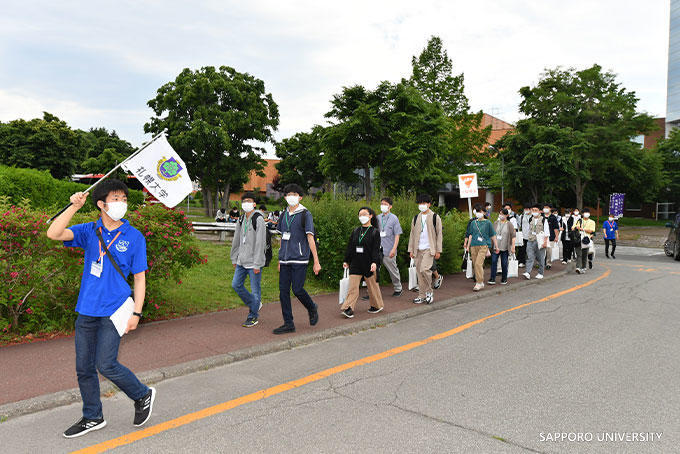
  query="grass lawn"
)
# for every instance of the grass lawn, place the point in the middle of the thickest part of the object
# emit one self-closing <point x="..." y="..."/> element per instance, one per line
<point x="207" y="288"/>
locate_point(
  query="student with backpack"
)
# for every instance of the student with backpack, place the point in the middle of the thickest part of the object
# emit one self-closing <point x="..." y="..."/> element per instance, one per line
<point x="390" y="231"/>
<point x="249" y="249"/>
<point x="481" y="235"/>
<point x="362" y="257"/>
<point x="425" y="246"/>
<point x="538" y="237"/>
<point x="298" y="243"/>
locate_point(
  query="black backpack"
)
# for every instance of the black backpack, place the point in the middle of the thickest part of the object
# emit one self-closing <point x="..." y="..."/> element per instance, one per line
<point x="434" y="220"/>
<point x="316" y="240"/>
<point x="268" y="238"/>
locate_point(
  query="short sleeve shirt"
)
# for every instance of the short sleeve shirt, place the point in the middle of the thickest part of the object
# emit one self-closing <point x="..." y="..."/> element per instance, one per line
<point x="480" y="229"/>
<point x="102" y="296"/>
<point x="388" y="223"/>
<point x="610" y="228"/>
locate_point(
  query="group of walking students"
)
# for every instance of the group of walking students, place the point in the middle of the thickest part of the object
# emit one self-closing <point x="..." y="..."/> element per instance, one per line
<point x="114" y="249"/>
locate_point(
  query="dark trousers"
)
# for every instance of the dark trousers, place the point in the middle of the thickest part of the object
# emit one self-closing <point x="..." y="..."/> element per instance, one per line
<point x="522" y="253"/>
<point x="606" y="246"/>
<point x="582" y="257"/>
<point x="567" y="250"/>
<point x="293" y="276"/>
<point x="504" y="265"/>
<point x="97" y="343"/>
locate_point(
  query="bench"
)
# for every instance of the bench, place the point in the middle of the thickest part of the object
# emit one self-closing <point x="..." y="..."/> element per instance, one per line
<point x="223" y="229"/>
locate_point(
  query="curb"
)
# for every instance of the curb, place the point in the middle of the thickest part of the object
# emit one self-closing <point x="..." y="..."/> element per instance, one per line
<point x="62" y="398"/>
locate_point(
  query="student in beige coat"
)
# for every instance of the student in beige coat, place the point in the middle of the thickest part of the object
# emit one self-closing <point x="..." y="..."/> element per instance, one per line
<point x="425" y="246"/>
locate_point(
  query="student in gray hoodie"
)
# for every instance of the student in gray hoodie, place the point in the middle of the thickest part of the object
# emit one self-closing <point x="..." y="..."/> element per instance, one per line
<point x="248" y="256"/>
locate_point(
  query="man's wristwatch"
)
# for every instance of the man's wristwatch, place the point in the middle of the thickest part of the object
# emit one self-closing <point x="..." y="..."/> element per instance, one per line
<point x="138" y="314"/>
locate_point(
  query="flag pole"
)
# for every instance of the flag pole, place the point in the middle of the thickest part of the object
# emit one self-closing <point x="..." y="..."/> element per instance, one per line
<point x="139" y="150"/>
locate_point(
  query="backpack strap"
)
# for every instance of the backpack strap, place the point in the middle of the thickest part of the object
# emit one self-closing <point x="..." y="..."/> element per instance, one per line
<point x="253" y="220"/>
<point x="109" y="254"/>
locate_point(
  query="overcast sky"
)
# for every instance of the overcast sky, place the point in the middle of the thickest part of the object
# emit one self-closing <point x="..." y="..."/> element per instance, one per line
<point x="96" y="63"/>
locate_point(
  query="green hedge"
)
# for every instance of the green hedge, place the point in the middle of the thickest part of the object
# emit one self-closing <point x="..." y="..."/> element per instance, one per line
<point x="45" y="192"/>
<point x="334" y="220"/>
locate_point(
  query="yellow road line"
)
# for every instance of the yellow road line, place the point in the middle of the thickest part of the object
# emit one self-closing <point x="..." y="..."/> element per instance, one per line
<point x="265" y="393"/>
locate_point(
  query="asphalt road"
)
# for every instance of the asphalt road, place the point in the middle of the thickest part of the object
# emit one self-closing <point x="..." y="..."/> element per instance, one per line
<point x="591" y="362"/>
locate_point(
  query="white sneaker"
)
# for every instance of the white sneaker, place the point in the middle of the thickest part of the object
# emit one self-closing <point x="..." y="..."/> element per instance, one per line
<point x="429" y="298"/>
<point x="521" y="265"/>
<point x="477" y="287"/>
<point x="539" y="276"/>
<point x="527" y="275"/>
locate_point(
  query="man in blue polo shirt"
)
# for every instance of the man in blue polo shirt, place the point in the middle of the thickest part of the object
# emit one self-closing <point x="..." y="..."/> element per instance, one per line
<point x="103" y="290"/>
<point x="610" y="228"/>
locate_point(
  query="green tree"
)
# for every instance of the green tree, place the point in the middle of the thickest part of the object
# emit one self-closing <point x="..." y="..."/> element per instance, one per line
<point x="591" y="119"/>
<point x="103" y="151"/>
<point x="669" y="152"/>
<point x="43" y="144"/>
<point x="433" y="77"/>
<point x="214" y="119"/>
<point x="300" y="156"/>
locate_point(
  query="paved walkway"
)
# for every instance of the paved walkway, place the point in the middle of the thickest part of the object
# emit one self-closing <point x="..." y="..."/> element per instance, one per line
<point x="31" y="370"/>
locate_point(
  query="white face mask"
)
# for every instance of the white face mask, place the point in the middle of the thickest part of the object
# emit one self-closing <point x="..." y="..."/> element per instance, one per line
<point x="586" y="215"/>
<point x="567" y="216"/>
<point x="546" y="210"/>
<point x="248" y="206"/>
<point x="422" y="207"/>
<point x="527" y="213"/>
<point x="501" y="217"/>
<point x="384" y="208"/>
<point x="536" y="214"/>
<point x="292" y="200"/>
<point x="364" y="219"/>
<point x="576" y="213"/>
<point x="116" y="210"/>
<point x="479" y="214"/>
<point x="611" y="218"/>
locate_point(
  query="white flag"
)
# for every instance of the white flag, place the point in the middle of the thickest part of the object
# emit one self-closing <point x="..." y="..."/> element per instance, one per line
<point x="160" y="169"/>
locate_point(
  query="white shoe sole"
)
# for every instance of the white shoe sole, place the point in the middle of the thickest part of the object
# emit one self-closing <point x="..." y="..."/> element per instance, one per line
<point x="153" y="397"/>
<point x="379" y="310"/>
<point x="92" y="429"/>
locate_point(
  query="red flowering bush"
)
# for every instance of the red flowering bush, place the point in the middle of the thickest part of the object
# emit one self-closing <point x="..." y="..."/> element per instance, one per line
<point x="40" y="279"/>
<point x="170" y="249"/>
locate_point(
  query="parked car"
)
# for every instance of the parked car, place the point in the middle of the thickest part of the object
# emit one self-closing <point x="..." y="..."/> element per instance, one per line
<point x="672" y="245"/>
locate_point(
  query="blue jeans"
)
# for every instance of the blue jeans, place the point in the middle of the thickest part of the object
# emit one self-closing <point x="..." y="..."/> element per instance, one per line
<point x="504" y="265"/>
<point x="293" y="276"/>
<point x="97" y="343"/>
<point x="252" y="300"/>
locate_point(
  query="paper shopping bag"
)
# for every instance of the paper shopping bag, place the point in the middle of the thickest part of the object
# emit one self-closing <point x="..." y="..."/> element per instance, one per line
<point x="344" y="287"/>
<point x="412" y="275"/>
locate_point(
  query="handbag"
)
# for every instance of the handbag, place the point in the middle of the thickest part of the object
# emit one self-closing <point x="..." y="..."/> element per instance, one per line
<point x="412" y="275"/>
<point x="519" y="239"/>
<point x="513" y="266"/>
<point x="469" y="269"/>
<point x="585" y="241"/>
<point x="555" y="252"/>
<point x="344" y="287"/>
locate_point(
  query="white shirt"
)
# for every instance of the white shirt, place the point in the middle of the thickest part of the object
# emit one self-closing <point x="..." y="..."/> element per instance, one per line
<point x="424" y="241"/>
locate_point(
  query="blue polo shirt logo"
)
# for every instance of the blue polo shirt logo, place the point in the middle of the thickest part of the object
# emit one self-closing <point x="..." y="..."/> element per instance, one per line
<point x="101" y="296"/>
<point x="122" y="245"/>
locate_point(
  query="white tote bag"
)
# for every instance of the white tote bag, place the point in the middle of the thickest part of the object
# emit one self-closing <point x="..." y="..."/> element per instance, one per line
<point x="412" y="275"/>
<point x="555" y="252"/>
<point x="469" y="271"/>
<point x="513" y="266"/>
<point x="344" y="287"/>
<point x="519" y="239"/>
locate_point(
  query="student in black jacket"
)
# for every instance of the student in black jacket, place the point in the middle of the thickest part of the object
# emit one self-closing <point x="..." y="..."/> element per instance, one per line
<point x="362" y="257"/>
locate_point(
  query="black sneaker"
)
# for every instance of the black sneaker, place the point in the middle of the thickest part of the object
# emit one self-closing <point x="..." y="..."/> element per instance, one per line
<point x="504" y="282"/>
<point x="249" y="323"/>
<point x="84" y="426"/>
<point x="374" y="310"/>
<point x="418" y="300"/>
<point x="365" y="297"/>
<point x="590" y="264"/>
<point x="349" y="313"/>
<point x="429" y="298"/>
<point x="283" y="329"/>
<point x="396" y="294"/>
<point x="491" y="282"/>
<point x="614" y="257"/>
<point x="314" y="317"/>
<point x="144" y="407"/>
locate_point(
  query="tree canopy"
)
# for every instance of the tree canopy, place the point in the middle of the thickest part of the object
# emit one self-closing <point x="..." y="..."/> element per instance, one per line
<point x="215" y="118"/>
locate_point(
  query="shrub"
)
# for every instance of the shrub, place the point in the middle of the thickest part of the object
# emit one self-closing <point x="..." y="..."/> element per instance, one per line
<point x="40" y="279"/>
<point x="44" y="191"/>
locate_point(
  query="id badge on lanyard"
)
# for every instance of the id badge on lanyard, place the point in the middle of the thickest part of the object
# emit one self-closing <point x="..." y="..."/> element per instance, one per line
<point x="97" y="268"/>
<point x="285" y="236"/>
